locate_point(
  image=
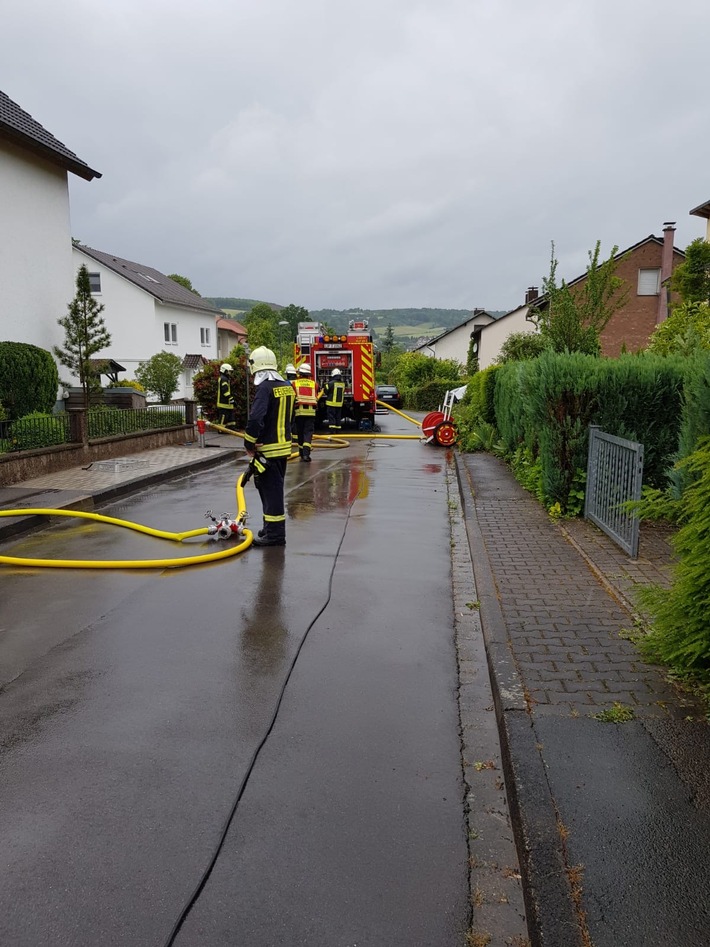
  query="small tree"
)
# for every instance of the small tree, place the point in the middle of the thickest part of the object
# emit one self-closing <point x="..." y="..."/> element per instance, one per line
<point x="520" y="346"/>
<point x="85" y="335"/>
<point x="692" y="278"/>
<point x="574" y="318"/>
<point x="388" y="342"/>
<point x="183" y="281"/>
<point x="160" y="374"/>
<point x="261" y="323"/>
<point x="684" y="332"/>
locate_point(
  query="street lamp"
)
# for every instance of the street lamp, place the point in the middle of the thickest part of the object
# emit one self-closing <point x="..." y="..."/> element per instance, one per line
<point x="281" y="352"/>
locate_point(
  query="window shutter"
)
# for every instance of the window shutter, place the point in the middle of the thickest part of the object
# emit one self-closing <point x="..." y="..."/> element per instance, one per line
<point x="649" y="282"/>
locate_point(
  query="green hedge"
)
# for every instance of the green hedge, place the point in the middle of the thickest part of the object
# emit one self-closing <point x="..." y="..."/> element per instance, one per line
<point x="680" y="633"/>
<point x="429" y="396"/>
<point x="37" y="430"/>
<point x="547" y="404"/>
<point x="28" y="379"/>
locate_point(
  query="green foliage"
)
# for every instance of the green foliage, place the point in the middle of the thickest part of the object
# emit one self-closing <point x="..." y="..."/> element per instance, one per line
<point x="692" y="278"/>
<point x="85" y="334"/>
<point x="684" y="332"/>
<point x="3" y="416"/>
<point x="160" y="374"/>
<point x="520" y="346"/>
<point x="128" y="383"/>
<point x="548" y="403"/>
<point x="695" y="421"/>
<point x="38" y="429"/>
<point x="479" y="435"/>
<point x="28" y="379"/>
<point x="261" y="324"/>
<point x="388" y="341"/>
<point x="205" y="382"/>
<point x="426" y="397"/>
<point x="104" y="421"/>
<point x="574" y="317"/>
<point x="680" y="634"/>
<point x="183" y="281"/>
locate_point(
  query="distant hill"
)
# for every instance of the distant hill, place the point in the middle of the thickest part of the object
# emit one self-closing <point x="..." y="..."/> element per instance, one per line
<point x="408" y="325"/>
<point x="236" y="304"/>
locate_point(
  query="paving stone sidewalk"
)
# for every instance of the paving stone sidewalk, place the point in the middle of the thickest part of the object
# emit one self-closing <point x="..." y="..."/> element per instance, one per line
<point x="567" y="597"/>
<point x="612" y="820"/>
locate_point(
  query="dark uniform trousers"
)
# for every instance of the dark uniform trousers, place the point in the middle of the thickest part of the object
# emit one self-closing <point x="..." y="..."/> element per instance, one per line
<point x="270" y="485"/>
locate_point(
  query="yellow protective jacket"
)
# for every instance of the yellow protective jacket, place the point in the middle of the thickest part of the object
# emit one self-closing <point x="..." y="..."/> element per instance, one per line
<point x="306" y="397"/>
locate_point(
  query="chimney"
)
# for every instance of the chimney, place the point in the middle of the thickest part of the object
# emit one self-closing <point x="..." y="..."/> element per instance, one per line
<point x="666" y="270"/>
<point x="531" y="295"/>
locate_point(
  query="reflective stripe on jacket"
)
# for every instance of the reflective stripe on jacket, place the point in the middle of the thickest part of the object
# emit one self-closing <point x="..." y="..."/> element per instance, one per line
<point x="269" y="424"/>
<point x="224" y="394"/>
<point x="306" y="396"/>
<point x="335" y="394"/>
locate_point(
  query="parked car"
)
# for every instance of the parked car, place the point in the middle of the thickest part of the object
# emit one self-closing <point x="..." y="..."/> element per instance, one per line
<point x="390" y="394"/>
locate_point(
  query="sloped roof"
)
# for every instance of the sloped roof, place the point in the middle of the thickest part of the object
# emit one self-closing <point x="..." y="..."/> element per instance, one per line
<point x="702" y="210"/>
<point x="231" y="325"/>
<point x="152" y="281"/>
<point x="193" y="362"/>
<point x="476" y="314"/>
<point x="19" y="127"/>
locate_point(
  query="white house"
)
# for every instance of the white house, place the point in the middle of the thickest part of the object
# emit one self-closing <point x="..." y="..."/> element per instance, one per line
<point x="454" y="343"/>
<point x="146" y="312"/>
<point x="493" y="336"/>
<point x="36" y="272"/>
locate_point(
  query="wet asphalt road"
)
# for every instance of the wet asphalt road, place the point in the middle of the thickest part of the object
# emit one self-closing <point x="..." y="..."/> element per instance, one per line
<point x="132" y="703"/>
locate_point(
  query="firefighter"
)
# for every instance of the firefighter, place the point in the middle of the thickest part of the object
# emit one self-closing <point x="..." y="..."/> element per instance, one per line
<point x="291" y="376"/>
<point x="267" y="440"/>
<point x="306" y="400"/>
<point x="334" y="397"/>
<point x="225" y="398"/>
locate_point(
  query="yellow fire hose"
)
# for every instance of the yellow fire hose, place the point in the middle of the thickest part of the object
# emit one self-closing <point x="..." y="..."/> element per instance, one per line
<point x="137" y="527"/>
<point x="341" y="440"/>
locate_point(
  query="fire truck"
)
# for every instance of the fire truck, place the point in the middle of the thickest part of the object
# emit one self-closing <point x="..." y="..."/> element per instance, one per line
<point x="353" y="353"/>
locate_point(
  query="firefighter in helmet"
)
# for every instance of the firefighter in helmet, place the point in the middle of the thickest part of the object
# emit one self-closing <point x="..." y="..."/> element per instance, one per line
<point x="267" y="440"/>
<point x="225" y="398"/>
<point x="334" y="398"/>
<point x="306" y="400"/>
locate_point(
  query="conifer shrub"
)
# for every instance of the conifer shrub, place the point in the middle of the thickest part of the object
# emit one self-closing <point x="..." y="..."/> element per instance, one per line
<point x="680" y="634"/>
<point x="28" y="379"/>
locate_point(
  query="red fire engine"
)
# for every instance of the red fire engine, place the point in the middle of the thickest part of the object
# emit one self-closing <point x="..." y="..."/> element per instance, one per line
<point x="353" y="353"/>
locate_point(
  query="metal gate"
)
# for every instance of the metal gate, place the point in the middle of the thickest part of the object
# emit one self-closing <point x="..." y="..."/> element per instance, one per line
<point x="614" y="474"/>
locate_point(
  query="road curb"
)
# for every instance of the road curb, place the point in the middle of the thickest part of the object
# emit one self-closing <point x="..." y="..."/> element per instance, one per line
<point x="549" y="902"/>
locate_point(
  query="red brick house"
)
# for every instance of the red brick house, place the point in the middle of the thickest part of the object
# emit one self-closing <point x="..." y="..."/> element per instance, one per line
<point x="645" y="269"/>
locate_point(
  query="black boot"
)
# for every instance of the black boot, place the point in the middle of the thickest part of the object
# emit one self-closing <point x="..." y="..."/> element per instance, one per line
<point x="268" y="541"/>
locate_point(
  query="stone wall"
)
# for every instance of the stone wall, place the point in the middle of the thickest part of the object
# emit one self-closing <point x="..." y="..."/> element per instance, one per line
<point x="26" y="465"/>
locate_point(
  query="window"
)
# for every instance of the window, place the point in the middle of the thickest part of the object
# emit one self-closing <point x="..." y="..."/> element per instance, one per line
<point x="95" y="282"/>
<point x="204" y="336"/>
<point x="649" y="282"/>
<point x="170" y="330"/>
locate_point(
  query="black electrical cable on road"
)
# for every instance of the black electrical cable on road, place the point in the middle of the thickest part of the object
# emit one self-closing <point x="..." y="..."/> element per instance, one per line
<point x="192" y="900"/>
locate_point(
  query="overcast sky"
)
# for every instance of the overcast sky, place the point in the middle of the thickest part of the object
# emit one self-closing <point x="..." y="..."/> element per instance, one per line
<point x="374" y="153"/>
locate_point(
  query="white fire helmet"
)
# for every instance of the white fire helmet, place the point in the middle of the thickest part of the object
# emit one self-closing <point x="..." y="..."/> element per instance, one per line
<point x="335" y="373"/>
<point x="290" y="370"/>
<point x="305" y="369"/>
<point x="262" y="359"/>
<point x="226" y="367"/>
